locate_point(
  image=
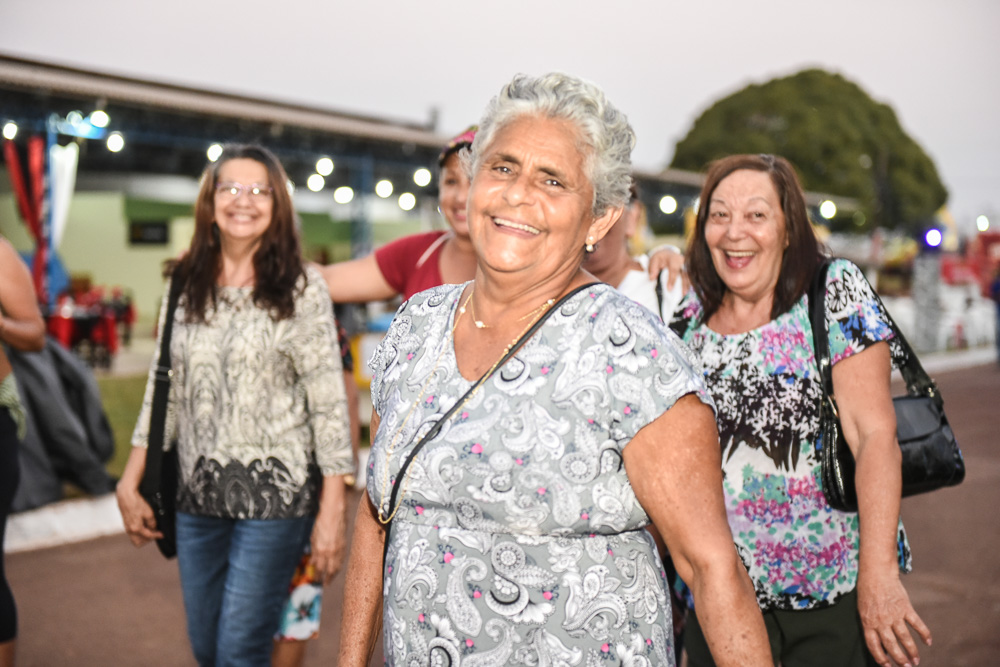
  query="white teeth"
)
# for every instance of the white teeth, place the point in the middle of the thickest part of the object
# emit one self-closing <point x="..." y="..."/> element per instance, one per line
<point x="740" y="253"/>
<point x="516" y="225"/>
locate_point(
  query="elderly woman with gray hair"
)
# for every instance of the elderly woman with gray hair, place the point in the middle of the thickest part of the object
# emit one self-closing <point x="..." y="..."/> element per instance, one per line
<point x="529" y="424"/>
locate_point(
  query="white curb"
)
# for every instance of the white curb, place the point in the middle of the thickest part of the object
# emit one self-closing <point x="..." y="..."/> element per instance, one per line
<point x="82" y="519"/>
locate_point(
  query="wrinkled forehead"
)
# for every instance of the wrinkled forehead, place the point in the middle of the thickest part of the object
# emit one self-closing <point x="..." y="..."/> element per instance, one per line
<point x="544" y="131"/>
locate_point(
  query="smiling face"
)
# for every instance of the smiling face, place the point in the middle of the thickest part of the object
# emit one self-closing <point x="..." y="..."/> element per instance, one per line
<point x="531" y="201"/>
<point x="245" y="217"/>
<point x="454" y="194"/>
<point x="746" y="234"/>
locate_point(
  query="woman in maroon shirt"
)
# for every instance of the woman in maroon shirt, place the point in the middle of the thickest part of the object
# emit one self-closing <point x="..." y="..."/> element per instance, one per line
<point x="420" y="261"/>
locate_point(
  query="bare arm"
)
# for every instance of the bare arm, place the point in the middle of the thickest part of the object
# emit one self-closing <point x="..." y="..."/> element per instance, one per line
<point x="329" y="536"/>
<point x="352" y="414"/>
<point x="356" y="281"/>
<point x="674" y="466"/>
<point x="861" y="387"/>
<point x="669" y="258"/>
<point x="21" y="323"/>
<point x="362" y="615"/>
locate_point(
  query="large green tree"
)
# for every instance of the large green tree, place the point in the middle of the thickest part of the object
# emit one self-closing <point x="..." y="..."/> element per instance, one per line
<point x="841" y="141"/>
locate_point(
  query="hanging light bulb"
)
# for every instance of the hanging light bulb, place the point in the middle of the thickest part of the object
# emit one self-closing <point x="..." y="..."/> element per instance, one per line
<point x="116" y="142"/>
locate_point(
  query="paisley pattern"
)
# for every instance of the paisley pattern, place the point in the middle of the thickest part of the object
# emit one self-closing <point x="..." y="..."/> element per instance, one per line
<point x="257" y="407"/>
<point x="519" y="540"/>
<point x="801" y="553"/>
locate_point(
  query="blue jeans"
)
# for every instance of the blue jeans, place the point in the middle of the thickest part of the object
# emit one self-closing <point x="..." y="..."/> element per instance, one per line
<point x="234" y="578"/>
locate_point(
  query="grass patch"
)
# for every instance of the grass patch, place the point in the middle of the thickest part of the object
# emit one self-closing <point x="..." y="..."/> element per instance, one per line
<point x="122" y="399"/>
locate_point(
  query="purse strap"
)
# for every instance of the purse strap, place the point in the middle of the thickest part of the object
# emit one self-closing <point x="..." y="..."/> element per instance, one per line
<point x="161" y="388"/>
<point x="918" y="383"/>
<point x="427" y="437"/>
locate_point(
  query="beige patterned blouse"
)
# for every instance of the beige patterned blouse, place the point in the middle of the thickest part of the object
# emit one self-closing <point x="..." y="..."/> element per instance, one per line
<point x="257" y="407"/>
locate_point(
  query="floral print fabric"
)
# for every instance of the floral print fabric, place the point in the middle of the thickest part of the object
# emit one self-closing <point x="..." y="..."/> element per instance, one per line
<point x="518" y="540"/>
<point x="800" y="552"/>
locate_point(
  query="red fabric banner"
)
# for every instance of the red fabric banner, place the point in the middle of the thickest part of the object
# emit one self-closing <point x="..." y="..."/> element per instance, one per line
<point x="16" y="173"/>
<point x="30" y="202"/>
<point x="36" y="172"/>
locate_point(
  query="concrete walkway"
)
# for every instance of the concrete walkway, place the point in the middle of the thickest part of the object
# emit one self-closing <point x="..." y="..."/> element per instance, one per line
<point x="100" y="602"/>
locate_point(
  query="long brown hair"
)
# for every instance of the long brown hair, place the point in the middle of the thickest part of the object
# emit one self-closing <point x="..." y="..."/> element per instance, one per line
<point x="801" y="257"/>
<point x="277" y="261"/>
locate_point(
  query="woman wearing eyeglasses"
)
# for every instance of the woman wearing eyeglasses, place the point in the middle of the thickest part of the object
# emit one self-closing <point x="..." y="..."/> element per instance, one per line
<point x="258" y="412"/>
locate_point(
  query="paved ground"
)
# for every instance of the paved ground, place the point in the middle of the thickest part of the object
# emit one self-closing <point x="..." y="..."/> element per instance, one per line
<point x="101" y="602"/>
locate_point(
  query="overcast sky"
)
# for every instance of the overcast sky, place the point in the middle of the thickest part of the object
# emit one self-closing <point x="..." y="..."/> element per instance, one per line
<point x="937" y="63"/>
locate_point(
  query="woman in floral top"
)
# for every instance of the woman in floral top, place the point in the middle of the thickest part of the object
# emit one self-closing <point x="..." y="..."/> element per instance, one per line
<point x="257" y="406"/>
<point x="751" y="260"/>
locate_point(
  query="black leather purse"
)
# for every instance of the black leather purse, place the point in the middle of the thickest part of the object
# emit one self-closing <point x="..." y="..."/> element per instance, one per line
<point x="159" y="480"/>
<point x="931" y="457"/>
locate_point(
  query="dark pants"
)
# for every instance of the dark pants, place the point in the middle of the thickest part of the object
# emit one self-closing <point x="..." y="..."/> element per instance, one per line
<point x="828" y="637"/>
<point x="10" y="474"/>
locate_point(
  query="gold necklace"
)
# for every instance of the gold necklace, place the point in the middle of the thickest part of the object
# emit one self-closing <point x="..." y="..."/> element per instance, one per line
<point x="482" y="325"/>
<point x="468" y="396"/>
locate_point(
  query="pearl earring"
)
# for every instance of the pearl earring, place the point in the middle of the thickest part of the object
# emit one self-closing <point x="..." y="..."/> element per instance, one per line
<point x="590" y="244"/>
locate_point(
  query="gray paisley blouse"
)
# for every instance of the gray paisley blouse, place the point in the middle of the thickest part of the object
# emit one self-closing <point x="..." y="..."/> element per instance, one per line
<point x="519" y="540"/>
<point x="258" y="407"/>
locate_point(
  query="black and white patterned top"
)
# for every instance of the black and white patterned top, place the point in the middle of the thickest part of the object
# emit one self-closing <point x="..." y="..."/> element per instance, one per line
<point x="257" y="406"/>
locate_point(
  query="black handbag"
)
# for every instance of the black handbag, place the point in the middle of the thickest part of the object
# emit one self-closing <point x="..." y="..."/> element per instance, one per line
<point x="931" y="457"/>
<point x="159" y="480"/>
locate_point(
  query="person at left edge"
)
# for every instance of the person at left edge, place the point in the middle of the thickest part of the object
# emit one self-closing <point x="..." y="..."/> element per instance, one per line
<point x="22" y="328"/>
<point x="258" y="411"/>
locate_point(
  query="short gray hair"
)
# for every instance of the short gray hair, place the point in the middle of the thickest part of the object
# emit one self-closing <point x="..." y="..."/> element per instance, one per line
<point x="605" y="131"/>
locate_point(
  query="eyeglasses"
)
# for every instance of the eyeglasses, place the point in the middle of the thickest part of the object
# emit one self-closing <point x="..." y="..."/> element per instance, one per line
<point x="231" y="191"/>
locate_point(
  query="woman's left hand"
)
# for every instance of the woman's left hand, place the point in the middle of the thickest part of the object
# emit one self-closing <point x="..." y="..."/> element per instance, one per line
<point x="861" y="385"/>
<point x="885" y="611"/>
<point x="670" y="259"/>
<point x="329" y="535"/>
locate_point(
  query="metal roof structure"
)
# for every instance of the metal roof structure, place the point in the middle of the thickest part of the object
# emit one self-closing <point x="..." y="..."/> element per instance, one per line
<point x="167" y="129"/>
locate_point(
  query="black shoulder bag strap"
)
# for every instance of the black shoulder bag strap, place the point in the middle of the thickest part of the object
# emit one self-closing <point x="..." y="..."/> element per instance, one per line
<point x="461" y="401"/>
<point x="161" y="389"/>
<point x="918" y="383"/>
<point x="659" y="294"/>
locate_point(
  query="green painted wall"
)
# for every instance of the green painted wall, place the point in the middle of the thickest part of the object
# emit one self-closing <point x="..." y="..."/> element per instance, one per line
<point x="95" y="244"/>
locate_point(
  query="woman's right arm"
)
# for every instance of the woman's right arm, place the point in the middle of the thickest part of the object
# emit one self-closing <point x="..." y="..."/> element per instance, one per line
<point x="674" y="466"/>
<point x="362" y="608"/>
<point x="137" y="515"/>
<point x="357" y="281"/>
<point x="668" y="258"/>
<point x="21" y="323"/>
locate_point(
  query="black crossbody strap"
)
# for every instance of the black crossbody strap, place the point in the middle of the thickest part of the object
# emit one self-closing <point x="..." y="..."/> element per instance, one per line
<point x="427" y="437"/>
<point x="918" y="383"/>
<point x="161" y="386"/>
